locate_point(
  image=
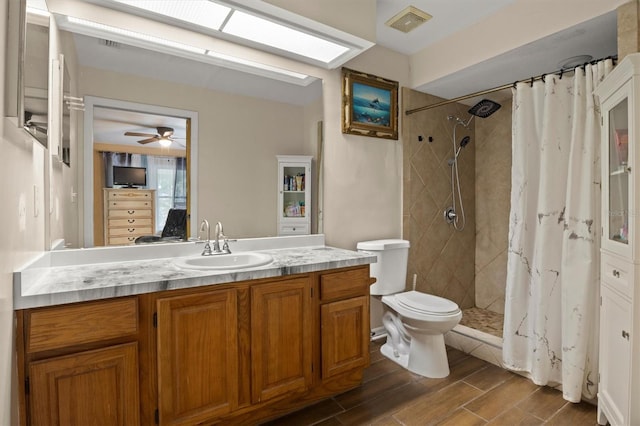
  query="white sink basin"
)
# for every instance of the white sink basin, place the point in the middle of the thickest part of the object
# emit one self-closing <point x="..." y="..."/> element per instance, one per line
<point x="225" y="261"/>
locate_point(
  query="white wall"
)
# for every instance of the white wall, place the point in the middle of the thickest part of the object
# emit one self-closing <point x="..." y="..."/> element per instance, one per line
<point x="21" y="170"/>
<point x="362" y="175"/>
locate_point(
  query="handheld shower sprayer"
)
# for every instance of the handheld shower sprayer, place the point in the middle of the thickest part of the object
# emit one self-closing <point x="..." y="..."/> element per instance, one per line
<point x="464" y="142"/>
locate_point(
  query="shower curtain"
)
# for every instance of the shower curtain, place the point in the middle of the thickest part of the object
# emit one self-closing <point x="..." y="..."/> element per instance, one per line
<point x="551" y="321"/>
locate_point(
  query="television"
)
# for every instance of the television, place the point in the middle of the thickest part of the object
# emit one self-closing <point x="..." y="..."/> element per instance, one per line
<point x="129" y="176"/>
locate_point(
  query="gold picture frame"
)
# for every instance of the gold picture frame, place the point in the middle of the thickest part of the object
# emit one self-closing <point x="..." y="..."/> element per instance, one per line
<point x="369" y="105"/>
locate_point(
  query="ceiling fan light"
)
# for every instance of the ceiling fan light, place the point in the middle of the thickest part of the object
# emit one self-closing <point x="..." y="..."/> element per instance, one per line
<point x="164" y="142"/>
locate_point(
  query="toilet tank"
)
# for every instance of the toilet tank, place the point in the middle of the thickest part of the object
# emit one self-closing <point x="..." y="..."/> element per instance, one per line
<point x="391" y="269"/>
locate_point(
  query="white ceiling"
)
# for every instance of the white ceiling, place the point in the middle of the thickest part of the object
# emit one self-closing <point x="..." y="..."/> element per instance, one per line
<point x="110" y="125"/>
<point x="449" y="17"/>
<point x="596" y="37"/>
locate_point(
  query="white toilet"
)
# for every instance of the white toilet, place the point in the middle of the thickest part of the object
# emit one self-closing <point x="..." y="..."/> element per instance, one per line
<point x="415" y="322"/>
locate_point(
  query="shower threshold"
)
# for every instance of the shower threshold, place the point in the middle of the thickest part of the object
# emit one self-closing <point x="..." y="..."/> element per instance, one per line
<point x="479" y="334"/>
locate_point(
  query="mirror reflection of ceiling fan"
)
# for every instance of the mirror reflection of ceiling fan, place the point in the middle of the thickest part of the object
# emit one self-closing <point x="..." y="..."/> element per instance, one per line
<point x="164" y="136"/>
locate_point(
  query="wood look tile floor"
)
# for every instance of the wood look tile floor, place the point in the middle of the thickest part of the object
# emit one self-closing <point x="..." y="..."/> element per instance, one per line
<point x="475" y="393"/>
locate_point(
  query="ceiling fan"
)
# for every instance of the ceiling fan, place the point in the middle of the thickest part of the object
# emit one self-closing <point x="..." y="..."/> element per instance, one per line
<point x="164" y="136"/>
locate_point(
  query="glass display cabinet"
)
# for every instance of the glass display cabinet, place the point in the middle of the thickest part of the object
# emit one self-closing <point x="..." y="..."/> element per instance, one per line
<point x="619" y="310"/>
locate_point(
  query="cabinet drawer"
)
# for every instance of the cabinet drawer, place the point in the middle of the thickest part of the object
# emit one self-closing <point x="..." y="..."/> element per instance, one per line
<point x="130" y="231"/>
<point x="129" y="195"/>
<point x="64" y="326"/>
<point x="340" y="285"/>
<point x="301" y="229"/>
<point x="617" y="273"/>
<point x="117" y="241"/>
<point x="129" y="204"/>
<point x="129" y="213"/>
<point x="130" y="222"/>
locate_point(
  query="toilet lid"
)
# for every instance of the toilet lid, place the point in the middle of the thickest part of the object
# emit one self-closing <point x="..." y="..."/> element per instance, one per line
<point x="427" y="303"/>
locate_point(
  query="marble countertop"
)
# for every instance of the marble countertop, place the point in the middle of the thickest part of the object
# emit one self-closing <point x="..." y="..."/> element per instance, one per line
<point x="45" y="285"/>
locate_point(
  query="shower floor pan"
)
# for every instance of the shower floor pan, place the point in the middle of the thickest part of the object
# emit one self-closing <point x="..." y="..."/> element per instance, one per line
<point x="479" y="334"/>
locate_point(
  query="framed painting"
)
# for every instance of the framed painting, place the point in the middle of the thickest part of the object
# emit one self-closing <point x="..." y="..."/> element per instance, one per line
<point x="369" y="105"/>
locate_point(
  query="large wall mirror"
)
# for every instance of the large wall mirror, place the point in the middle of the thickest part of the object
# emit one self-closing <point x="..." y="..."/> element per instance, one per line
<point x="239" y="123"/>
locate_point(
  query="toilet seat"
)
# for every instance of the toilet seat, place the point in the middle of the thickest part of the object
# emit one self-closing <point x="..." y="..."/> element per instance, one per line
<point x="428" y="304"/>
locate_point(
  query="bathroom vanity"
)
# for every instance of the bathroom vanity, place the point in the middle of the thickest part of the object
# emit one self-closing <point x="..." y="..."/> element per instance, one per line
<point x="190" y="346"/>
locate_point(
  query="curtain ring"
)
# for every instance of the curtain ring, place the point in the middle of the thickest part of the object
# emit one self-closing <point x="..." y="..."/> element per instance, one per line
<point x="561" y="72"/>
<point x="542" y="77"/>
<point x="531" y="84"/>
<point x="515" y="84"/>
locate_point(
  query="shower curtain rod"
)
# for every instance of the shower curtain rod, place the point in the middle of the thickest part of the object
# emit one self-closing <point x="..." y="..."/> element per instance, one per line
<point x="505" y="86"/>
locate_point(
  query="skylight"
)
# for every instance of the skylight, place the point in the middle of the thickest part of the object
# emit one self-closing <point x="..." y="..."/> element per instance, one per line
<point x="95" y="29"/>
<point x="263" y="31"/>
<point x="248" y="27"/>
<point x="200" y="12"/>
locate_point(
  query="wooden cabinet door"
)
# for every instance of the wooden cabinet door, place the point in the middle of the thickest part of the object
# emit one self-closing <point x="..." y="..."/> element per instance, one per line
<point x="615" y="356"/>
<point x="98" y="387"/>
<point x="197" y="356"/>
<point x="280" y="338"/>
<point x="345" y="335"/>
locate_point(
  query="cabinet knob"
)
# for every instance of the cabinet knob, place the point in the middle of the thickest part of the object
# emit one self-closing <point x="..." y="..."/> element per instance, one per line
<point x="625" y="335"/>
<point x="616" y="273"/>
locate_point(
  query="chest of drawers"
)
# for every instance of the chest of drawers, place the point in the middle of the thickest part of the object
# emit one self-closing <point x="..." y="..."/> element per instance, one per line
<point x="128" y="214"/>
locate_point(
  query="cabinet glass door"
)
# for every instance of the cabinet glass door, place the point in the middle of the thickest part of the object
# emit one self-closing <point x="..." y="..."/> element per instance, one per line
<point x="619" y="170"/>
<point x="293" y="191"/>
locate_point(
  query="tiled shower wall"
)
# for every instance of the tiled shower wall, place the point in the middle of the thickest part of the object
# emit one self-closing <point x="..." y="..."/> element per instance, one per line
<point x="468" y="267"/>
<point x="442" y="259"/>
<point x="493" y="196"/>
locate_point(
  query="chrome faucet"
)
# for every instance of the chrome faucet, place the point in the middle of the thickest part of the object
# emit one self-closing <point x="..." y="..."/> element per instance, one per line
<point x="207" y="245"/>
<point x="220" y="234"/>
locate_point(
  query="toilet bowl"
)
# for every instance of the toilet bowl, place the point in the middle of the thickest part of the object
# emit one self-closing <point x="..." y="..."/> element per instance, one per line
<point x="415" y="322"/>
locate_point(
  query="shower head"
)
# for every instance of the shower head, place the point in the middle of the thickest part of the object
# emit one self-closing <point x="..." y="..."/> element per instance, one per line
<point x="484" y="108"/>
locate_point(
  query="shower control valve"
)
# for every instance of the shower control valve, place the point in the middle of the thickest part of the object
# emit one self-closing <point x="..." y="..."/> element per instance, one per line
<point x="450" y="215"/>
